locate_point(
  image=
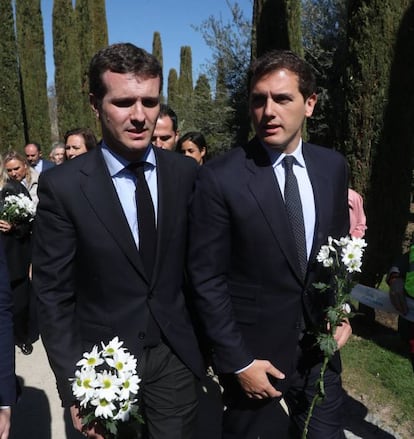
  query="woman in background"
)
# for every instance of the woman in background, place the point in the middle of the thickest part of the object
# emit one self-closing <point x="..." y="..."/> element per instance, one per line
<point x="193" y="144"/>
<point x="58" y="153"/>
<point x="78" y="141"/>
<point x="18" y="169"/>
<point x="17" y="246"/>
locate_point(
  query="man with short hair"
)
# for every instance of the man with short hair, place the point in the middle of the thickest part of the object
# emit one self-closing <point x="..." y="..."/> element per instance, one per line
<point x="108" y="256"/>
<point x="259" y="216"/>
<point x="33" y="153"/>
<point x="166" y="133"/>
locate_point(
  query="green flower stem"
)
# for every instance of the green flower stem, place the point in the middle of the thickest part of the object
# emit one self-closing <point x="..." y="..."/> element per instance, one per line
<point x="320" y="394"/>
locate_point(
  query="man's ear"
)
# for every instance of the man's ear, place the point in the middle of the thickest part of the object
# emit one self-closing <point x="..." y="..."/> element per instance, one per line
<point x="94" y="103"/>
<point x="310" y="104"/>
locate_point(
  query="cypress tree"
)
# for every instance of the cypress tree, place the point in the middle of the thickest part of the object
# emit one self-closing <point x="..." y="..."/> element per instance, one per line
<point x="99" y="24"/>
<point x="11" y="119"/>
<point x="157" y="51"/>
<point x="68" y="73"/>
<point x="185" y="81"/>
<point x="172" y="88"/>
<point x="157" y="47"/>
<point x="276" y="25"/>
<point x="31" y="51"/>
<point x="384" y="140"/>
<point x="89" y="42"/>
<point x="184" y="107"/>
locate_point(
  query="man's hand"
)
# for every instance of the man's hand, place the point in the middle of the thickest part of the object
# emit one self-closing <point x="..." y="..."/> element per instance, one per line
<point x="5" y="415"/>
<point x="87" y="431"/>
<point x="255" y="381"/>
<point x="342" y="333"/>
<point x="397" y="295"/>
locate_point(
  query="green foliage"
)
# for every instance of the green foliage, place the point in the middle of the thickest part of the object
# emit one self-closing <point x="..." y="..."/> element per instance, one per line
<point x="276" y="25"/>
<point x="172" y="88"/>
<point x="68" y="68"/>
<point x="382" y="374"/>
<point x="93" y="35"/>
<point x="157" y="47"/>
<point x="230" y="46"/>
<point x="31" y="50"/>
<point x="184" y="105"/>
<point x="11" y="120"/>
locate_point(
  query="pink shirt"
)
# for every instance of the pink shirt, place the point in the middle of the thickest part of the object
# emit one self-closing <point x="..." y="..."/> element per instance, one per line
<point x="357" y="217"/>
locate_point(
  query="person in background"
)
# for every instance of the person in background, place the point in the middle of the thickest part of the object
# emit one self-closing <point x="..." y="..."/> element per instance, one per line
<point x="253" y="267"/>
<point x="166" y="133"/>
<point x="399" y="291"/>
<point x="7" y="361"/>
<point x="33" y="153"/>
<point x="78" y="141"/>
<point x="193" y="144"/>
<point x="58" y="153"/>
<point x="357" y="217"/>
<point x="113" y="224"/>
<point x="17" y="244"/>
<point x="18" y="169"/>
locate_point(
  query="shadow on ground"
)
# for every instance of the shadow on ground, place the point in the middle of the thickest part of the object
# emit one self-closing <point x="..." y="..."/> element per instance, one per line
<point x="31" y="416"/>
<point x="358" y="425"/>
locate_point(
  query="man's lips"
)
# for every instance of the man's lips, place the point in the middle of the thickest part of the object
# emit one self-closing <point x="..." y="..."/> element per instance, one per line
<point x="271" y="129"/>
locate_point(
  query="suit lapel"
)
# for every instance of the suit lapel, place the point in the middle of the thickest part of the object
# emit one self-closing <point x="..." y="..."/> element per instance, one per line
<point x="321" y="193"/>
<point x="265" y="189"/>
<point x="100" y="192"/>
<point x="167" y="180"/>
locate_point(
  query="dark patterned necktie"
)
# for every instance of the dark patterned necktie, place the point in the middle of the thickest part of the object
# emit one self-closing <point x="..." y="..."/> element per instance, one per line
<point x="295" y="213"/>
<point x="147" y="231"/>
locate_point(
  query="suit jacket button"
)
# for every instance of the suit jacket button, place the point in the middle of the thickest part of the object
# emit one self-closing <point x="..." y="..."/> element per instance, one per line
<point x="141" y="335"/>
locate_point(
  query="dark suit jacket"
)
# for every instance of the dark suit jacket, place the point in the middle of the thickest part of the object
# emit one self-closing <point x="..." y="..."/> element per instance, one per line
<point x="7" y="377"/>
<point x="88" y="274"/>
<point x="47" y="164"/>
<point x="242" y="260"/>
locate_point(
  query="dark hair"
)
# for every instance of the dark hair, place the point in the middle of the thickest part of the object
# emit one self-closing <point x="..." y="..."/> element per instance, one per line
<point x="86" y="133"/>
<point x="165" y="110"/>
<point x="284" y="59"/>
<point x="121" y="58"/>
<point x="193" y="136"/>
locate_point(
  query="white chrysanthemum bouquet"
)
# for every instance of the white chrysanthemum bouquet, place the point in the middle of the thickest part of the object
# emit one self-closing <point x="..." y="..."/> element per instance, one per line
<point x="343" y="257"/>
<point x="18" y="209"/>
<point x="106" y="386"/>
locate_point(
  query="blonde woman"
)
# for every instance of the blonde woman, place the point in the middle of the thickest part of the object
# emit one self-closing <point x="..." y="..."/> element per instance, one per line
<point x="17" y="245"/>
<point x="18" y="169"/>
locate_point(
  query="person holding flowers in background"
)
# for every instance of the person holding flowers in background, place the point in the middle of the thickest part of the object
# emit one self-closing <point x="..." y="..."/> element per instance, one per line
<point x="15" y="227"/>
<point x="258" y="218"/>
<point x="18" y="169"/>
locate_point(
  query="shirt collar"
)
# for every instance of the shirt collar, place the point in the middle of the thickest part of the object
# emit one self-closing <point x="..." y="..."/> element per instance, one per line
<point x="117" y="163"/>
<point x="276" y="156"/>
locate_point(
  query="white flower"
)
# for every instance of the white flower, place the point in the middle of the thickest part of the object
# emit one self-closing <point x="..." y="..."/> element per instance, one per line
<point x="323" y="254"/>
<point x="108" y="385"/>
<point x="359" y="242"/>
<point x="328" y="262"/>
<point x="129" y="385"/>
<point x="91" y="359"/>
<point x="104" y="409"/>
<point x="125" y="410"/>
<point x="122" y="361"/>
<point x="111" y="347"/>
<point x="84" y="384"/>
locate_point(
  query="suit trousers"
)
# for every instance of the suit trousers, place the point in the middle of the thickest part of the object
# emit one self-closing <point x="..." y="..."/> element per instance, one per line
<point x="168" y="395"/>
<point x="249" y="419"/>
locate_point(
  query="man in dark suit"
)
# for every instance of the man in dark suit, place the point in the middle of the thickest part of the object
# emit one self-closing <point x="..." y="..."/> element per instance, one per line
<point x="254" y="296"/>
<point x="33" y="153"/>
<point x="7" y="377"/>
<point x="92" y="272"/>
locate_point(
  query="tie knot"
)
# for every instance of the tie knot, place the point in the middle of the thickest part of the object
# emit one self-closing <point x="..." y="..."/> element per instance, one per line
<point x="288" y="161"/>
<point x="137" y="168"/>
